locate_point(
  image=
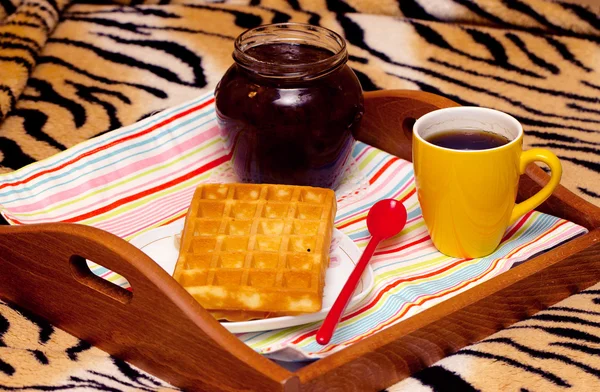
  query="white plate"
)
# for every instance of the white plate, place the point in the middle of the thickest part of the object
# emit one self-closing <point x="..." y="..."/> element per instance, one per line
<point x="159" y="244"/>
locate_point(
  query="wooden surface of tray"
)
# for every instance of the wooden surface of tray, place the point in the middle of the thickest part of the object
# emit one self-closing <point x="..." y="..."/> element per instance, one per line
<point x="42" y="269"/>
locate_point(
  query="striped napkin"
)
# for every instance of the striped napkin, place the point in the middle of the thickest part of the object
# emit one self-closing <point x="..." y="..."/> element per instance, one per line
<point x="143" y="176"/>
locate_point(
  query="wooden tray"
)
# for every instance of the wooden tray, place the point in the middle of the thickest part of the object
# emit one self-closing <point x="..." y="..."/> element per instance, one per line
<point x="161" y="329"/>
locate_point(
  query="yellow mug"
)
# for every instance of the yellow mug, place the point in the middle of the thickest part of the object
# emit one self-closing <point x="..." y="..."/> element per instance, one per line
<point x="467" y="197"/>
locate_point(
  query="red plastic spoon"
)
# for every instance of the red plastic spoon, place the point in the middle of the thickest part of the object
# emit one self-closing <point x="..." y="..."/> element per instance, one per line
<point x="386" y="218"/>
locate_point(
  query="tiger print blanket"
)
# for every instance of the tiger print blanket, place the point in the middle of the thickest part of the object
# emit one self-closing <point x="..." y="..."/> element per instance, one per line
<point x="72" y="70"/>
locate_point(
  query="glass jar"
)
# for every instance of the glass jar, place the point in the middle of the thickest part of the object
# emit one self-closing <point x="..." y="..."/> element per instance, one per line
<point x="288" y="106"/>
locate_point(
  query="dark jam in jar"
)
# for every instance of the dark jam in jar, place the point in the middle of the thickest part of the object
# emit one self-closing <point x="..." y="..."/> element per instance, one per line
<point x="288" y="106"/>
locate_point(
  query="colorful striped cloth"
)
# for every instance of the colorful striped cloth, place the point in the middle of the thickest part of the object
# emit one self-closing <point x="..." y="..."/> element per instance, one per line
<point x="143" y="176"/>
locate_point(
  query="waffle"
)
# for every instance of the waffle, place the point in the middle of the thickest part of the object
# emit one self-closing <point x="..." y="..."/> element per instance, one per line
<point x="257" y="248"/>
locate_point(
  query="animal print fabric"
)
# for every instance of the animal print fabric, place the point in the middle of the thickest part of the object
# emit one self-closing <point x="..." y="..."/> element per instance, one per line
<point x="23" y="33"/>
<point x="36" y="356"/>
<point x="72" y="70"/>
<point x="554" y="350"/>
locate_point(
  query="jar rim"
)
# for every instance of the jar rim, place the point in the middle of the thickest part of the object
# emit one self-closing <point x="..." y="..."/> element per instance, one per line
<point x="298" y="33"/>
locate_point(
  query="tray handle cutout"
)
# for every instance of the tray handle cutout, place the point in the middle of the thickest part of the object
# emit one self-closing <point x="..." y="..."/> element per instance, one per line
<point x="83" y="274"/>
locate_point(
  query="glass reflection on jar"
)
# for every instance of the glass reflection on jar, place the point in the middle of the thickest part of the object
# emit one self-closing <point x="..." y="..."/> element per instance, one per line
<point x="288" y="106"/>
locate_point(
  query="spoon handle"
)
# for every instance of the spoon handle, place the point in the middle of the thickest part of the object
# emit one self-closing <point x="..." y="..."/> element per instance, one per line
<point x="335" y="313"/>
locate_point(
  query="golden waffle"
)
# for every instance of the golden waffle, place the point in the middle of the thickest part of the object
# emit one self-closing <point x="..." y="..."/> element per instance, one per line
<point x="237" y="315"/>
<point x="258" y="248"/>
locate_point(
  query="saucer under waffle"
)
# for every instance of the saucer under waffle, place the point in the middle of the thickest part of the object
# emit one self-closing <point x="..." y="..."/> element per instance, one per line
<point x="257" y="247"/>
<point x="245" y="315"/>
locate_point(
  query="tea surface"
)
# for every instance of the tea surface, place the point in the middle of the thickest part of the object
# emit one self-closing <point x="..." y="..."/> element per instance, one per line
<point x="467" y="139"/>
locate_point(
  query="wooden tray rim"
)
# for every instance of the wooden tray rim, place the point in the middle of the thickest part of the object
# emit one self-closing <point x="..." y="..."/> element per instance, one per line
<point x="340" y="364"/>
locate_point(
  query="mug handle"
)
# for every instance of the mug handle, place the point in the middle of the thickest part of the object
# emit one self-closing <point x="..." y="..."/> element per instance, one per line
<point x="527" y="157"/>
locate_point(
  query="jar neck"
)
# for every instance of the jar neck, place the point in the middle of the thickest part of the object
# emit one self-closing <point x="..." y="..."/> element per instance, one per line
<point x="287" y="67"/>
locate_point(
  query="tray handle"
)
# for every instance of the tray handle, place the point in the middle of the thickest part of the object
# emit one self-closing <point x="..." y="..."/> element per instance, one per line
<point x="156" y="326"/>
<point x="387" y="125"/>
<point x="390" y="116"/>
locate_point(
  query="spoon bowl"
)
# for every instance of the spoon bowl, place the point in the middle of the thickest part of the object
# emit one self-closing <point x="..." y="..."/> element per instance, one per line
<point x="386" y="218"/>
